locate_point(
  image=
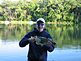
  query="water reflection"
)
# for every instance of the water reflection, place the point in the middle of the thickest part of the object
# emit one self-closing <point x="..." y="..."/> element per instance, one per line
<point x="68" y="39"/>
<point x="13" y="32"/>
<point x="66" y="36"/>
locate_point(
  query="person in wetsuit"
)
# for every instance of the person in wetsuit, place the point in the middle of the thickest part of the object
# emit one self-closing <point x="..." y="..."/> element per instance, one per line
<point x="37" y="52"/>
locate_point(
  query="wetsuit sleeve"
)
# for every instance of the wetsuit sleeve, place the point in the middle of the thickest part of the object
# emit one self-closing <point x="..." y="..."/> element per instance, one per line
<point x="24" y="40"/>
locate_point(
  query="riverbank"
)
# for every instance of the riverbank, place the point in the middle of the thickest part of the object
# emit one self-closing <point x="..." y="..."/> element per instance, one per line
<point x="31" y="22"/>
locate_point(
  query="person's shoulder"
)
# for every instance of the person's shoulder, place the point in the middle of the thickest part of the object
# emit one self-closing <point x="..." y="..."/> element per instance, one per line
<point x="30" y="32"/>
<point x="46" y="31"/>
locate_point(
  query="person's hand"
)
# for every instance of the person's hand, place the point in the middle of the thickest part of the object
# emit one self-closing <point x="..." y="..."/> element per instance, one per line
<point x="49" y="43"/>
<point x="52" y="41"/>
<point x="32" y="39"/>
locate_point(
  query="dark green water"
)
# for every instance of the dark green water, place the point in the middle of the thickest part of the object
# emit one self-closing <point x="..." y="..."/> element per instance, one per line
<point x="67" y="37"/>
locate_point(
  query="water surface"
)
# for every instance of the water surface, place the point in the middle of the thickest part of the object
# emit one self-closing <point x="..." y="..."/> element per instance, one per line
<point x="68" y="39"/>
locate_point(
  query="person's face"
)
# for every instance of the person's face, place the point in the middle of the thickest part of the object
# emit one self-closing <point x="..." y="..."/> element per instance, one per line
<point x="40" y="26"/>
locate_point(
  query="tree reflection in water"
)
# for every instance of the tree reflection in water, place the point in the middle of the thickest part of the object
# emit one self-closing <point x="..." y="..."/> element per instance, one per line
<point x="68" y="39"/>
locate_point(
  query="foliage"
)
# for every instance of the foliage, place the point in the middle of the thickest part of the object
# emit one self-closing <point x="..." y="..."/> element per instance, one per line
<point x="50" y="10"/>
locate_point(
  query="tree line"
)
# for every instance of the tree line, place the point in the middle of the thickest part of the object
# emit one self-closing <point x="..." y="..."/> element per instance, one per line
<point x="50" y="10"/>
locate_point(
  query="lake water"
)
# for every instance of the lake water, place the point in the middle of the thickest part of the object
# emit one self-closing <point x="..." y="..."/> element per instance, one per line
<point x="68" y="39"/>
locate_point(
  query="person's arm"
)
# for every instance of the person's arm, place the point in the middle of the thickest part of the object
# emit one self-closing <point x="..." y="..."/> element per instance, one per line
<point x="24" y="40"/>
<point x="49" y="46"/>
